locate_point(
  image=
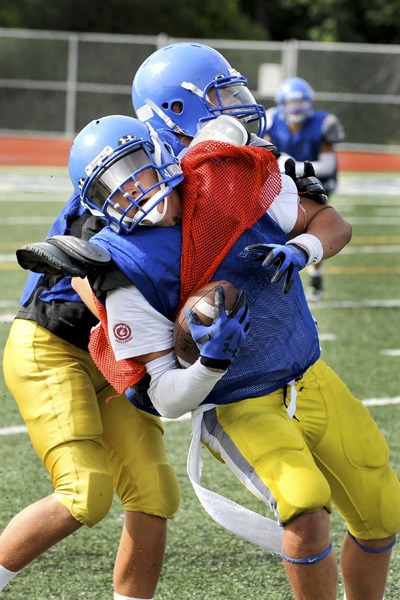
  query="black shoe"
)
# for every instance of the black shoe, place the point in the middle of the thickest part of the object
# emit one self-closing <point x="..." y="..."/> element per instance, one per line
<point x="315" y="288"/>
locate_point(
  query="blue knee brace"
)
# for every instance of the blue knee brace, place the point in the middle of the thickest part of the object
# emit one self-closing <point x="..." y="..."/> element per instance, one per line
<point x="372" y="550"/>
<point x="310" y="560"/>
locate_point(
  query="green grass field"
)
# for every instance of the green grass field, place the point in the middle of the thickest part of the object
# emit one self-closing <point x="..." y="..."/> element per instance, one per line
<point x="359" y="323"/>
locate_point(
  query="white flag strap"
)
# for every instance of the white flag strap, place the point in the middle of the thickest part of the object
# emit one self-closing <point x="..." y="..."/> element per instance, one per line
<point x="247" y="524"/>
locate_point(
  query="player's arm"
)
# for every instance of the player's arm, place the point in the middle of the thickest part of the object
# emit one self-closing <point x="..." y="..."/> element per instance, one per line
<point x="319" y="232"/>
<point x="297" y="216"/>
<point x="84" y="291"/>
<point x="323" y="222"/>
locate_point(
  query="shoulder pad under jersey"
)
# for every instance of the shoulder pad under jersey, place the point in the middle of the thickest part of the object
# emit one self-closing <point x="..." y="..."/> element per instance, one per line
<point x="332" y="130"/>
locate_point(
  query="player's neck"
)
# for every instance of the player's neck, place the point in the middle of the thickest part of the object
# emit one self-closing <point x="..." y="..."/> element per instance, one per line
<point x="295" y="127"/>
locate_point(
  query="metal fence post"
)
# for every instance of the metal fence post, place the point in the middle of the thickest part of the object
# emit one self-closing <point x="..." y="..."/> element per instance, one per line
<point x="71" y="83"/>
<point x="290" y="55"/>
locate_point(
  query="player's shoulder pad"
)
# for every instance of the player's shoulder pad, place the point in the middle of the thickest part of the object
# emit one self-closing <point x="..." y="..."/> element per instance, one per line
<point x="332" y="129"/>
<point x="85" y="251"/>
<point x="43" y="257"/>
<point x="271" y="115"/>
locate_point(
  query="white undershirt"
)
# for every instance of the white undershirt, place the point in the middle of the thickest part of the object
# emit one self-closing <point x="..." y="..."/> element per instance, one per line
<point x="136" y="328"/>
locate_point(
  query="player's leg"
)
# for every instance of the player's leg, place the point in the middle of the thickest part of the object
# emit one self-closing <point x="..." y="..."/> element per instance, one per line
<point x="317" y="575"/>
<point x="34" y="530"/>
<point x="365" y="568"/>
<point x="140" y="555"/>
<point x="52" y="384"/>
<point x="353" y="455"/>
<point x="258" y="441"/>
<point x="148" y="488"/>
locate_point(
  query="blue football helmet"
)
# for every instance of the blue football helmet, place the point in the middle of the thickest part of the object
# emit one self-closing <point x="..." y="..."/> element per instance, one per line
<point x="295" y="99"/>
<point x="184" y="84"/>
<point x="109" y="155"/>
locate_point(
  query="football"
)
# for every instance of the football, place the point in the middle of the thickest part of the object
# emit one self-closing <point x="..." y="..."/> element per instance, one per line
<point x="202" y="303"/>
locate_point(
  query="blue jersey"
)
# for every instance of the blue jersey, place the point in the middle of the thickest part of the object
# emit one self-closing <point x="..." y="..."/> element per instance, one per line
<point x="283" y="340"/>
<point x="302" y="145"/>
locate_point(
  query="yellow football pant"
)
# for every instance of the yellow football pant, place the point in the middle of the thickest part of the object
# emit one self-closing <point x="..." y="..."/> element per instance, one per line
<point x="330" y="452"/>
<point x="88" y="445"/>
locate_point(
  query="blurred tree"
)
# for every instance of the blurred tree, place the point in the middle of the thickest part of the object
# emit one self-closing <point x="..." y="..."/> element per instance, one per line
<point x="180" y="18"/>
<point x="365" y="21"/>
<point x="362" y="21"/>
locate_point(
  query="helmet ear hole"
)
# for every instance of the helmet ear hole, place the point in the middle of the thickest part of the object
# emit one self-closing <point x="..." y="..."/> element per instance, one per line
<point x="177" y="107"/>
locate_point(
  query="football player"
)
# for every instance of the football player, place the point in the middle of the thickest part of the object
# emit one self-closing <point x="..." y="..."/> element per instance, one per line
<point x="282" y="420"/>
<point x="302" y="133"/>
<point x="88" y="445"/>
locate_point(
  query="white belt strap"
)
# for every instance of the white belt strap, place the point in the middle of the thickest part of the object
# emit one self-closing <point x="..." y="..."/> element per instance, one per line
<point x="291" y="409"/>
<point x="251" y="526"/>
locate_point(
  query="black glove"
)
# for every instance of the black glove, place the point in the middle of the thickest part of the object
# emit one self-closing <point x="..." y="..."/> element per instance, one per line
<point x="308" y="186"/>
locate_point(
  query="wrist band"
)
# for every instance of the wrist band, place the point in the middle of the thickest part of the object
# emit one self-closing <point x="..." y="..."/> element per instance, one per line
<point x="312" y="245"/>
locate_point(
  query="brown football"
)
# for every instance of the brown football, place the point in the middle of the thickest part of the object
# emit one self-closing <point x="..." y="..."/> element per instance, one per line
<point x="202" y="303"/>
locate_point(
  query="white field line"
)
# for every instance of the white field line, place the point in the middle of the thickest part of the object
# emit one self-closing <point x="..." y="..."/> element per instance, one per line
<point x="371" y="249"/>
<point x="395" y="303"/>
<point x="356" y="304"/>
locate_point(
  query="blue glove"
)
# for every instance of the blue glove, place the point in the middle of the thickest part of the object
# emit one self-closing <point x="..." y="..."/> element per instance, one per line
<point x="288" y="259"/>
<point x="220" y="342"/>
<point x="308" y="185"/>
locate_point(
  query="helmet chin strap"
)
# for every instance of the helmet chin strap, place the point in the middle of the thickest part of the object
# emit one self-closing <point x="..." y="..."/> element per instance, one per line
<point x="169" y="122"/>
<point x="191" y="87"/>
<point x="154" y="216"/>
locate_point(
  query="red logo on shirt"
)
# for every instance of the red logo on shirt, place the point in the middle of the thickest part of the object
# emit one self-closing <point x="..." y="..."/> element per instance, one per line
<point x="122" y="332"/>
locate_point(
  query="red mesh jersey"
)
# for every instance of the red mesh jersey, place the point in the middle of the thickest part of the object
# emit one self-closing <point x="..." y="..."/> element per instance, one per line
<point x="226" y="189"/>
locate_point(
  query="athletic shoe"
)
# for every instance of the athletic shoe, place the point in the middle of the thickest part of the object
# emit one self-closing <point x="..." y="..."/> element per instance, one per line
<point x="315" y="288"/>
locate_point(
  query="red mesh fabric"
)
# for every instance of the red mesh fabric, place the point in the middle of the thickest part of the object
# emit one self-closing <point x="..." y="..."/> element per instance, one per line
<point x="120" y="374"/>
<point x="225" y="191"/>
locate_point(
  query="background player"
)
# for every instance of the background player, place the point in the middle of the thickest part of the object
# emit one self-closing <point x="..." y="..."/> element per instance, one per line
<point x="300" y="132"/>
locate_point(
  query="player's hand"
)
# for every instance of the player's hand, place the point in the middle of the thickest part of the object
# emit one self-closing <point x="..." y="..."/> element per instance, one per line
<point x="287" y="259"/>
<point x="220" y="342"/>
<point x="308" y="185"/>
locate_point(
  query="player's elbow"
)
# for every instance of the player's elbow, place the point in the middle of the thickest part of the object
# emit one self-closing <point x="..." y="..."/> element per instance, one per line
<point x="169" y="410"/>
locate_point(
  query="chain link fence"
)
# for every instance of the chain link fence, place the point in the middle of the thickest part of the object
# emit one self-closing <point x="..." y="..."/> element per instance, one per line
<point x="54" y="83"/>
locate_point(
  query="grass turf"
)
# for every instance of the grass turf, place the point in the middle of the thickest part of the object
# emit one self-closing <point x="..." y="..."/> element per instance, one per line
<point x="358" y="320"/>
